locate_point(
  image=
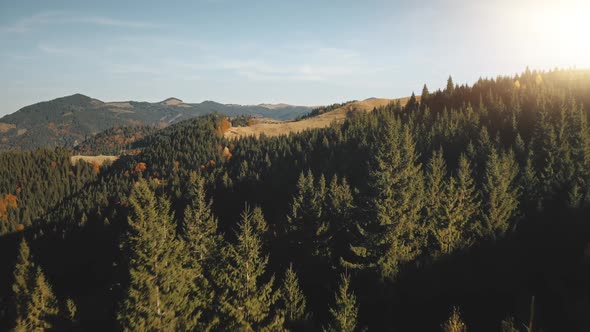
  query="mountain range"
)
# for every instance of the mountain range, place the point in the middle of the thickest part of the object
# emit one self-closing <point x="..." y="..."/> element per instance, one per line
<point x="67" y="121"/>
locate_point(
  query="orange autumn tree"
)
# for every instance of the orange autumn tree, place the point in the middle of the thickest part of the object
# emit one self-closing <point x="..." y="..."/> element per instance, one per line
<point x="95" y="167"/>
<point x="222" y="126"/>
<point x="6" y="202"/>
<point x="141" y="167"/>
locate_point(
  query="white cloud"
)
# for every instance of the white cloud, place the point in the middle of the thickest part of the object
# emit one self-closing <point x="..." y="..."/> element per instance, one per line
<point x="63" y="17"/>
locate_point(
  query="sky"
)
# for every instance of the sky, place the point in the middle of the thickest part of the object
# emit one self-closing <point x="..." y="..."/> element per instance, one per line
<point x="299" y="52"/>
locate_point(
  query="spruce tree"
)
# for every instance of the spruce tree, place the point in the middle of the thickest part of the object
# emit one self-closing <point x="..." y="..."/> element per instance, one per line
<point x="578" y="137"/>
<point x="340" y="211"/>
<point x="199" y="226"/>
<point x="293" y="301"/>
<point x="71" y="312"/>
<point x="397" y="183"/>
<point x="344" y="312"/>
<point x="455" y="322"/>
<point x="157" y="297"/>
<point x="546" y="152"/>
<point x="435" y="188"/>
<point x="501" y="194"/>
<point x="247" y="303"/>
<point x="412" y="103"/>
<point x="42" y="309"/>
<point x="458" y="211"/>
<point x="450" y="86"/>
<point x="425" y="94"/>
<point x="529" y="184"/>
<point x="202" y="244"/>
<point x="23" y="279"/>
<point x="308" y="228"/>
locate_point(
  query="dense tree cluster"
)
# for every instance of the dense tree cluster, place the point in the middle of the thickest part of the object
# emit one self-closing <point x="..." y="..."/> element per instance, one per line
<point x="32" y="183"/>
<point x="468" y="200"/>
<point x="115" y="141"/>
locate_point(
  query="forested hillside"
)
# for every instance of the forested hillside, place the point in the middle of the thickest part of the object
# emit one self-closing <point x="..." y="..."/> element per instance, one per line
<point x="67" y="121"/>
<point x="465" y="208"/>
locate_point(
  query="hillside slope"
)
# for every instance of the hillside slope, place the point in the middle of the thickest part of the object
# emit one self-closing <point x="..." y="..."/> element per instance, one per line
<point x="276" y="128"/>
<point x="67" y="121"/>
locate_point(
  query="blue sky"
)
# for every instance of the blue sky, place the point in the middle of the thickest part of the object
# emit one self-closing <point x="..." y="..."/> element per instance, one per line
<point x="300" y="52"/>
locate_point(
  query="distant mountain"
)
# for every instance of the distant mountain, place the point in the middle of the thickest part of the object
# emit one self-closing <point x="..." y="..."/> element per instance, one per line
<point x="69" y="120"/>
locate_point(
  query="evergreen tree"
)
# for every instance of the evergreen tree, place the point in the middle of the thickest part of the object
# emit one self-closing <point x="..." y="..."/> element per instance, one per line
<point x="293" y="301"/>
<point x="199" y="226"/>
<point x="425" y="94"/>
<point x="307" y="222"/>
<point x="340" y="210"/>
<point x="501" y="194"/>
<point x="578" y="137"/>
<point x="483" y="150"/>
<point x="435" y="188"/>
<point x="157" y="298"/>
<point x="529" y="183"/>
<point x="397" y="183"/>
<point x="202" y="243"/>
<point x="450" y="86"/>
<point x="246" y="302"/>
<point x="458" y="211"/>
<point x="71" y="312"/>
<point x="412" y="103"/>
<point x="455" y="322"/>
<point x="546" y="153"/>
<point x="344" y="312"/>
<point x="23" y="279"/>
<point x="42" y="309"/>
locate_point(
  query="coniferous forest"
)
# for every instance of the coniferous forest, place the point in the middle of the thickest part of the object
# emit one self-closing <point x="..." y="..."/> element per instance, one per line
<point x="466" y="209"/>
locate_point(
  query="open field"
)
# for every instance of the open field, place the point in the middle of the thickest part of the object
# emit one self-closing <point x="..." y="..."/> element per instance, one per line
<point x="89" y="159"/>
<point x="275" y="128"/>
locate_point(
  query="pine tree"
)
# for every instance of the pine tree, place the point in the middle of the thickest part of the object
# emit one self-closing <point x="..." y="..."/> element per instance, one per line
<point x="344" y="312"/>
<point x="425" y="94"/>
<point x="455" y="322"/>
<point x="457" y="211"/>
<point x="42" y="309"/>
<point x="397" y="182"/>
<point x="340" y="209"/>
<point x="501" y="194"/>
<point x="450" y="86"/>
<point x="157" y="298"/>
<point x="546" y="153"/>
<point x="339" y="200"/>
<point x="483" y="150"/>
<point x="412" y="103"/>
<point x="71" y="311"/>
<point x="246" y="302"/>
<point x="199" y="226"/>
<point x="202" y="243"/>
<point x="529" y="183"/>
<point x="23" y="279"/>
<point x="435" y="188"/>
<point x="293" y="301"/>
<point x="307" y="222"/>
<point x="520" y="149"/>
<point x="578" y="137"/>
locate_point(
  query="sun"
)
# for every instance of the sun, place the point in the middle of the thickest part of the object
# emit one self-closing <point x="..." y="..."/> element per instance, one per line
<point x="562" y="29"/>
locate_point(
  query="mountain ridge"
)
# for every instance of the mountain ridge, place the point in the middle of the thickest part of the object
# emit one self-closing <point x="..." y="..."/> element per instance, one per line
<point x="68" y="120"/>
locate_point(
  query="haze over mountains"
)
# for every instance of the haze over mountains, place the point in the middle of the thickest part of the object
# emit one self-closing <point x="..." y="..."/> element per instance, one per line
<point x="69" y="120"/>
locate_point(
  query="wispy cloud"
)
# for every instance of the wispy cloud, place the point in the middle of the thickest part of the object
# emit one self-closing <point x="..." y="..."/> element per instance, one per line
<point x="290" y="63"/>
<point x="57" y="50"/>
<point x="37" y="20"/>
<point x="319" y="64"/>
